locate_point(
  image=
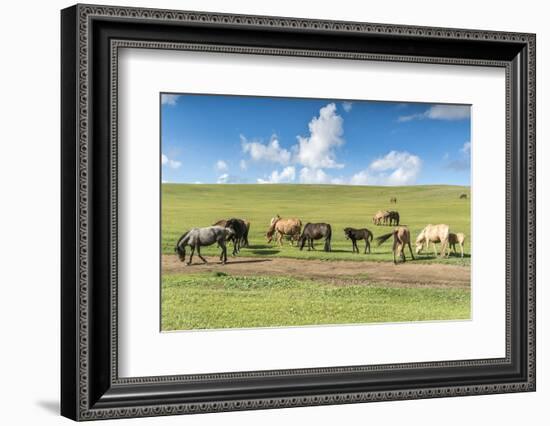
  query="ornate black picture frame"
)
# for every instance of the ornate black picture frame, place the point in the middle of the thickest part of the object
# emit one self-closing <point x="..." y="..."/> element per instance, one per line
<point x="91" y="37"/>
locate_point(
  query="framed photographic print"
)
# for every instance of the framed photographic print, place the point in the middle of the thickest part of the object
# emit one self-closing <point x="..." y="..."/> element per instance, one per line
<point x="263" y="212"/>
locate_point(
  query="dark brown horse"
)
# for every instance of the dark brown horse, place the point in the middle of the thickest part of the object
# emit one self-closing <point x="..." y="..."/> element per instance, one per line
<point x="316" y="231"/>
<point x="358" y="234"/>
<point x="244" y="239"/>
<point x="393" y="218"/>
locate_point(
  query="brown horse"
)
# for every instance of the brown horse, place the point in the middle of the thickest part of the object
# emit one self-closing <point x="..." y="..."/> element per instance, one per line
<point x="401" y="237"/>
<point x="283" y="227"/>
<point x="380" y="217"/>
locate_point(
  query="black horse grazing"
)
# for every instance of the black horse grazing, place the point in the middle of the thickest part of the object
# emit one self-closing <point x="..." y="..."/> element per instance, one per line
<point x="394" y="218"/>
<point x="223" y="222"/>
<point x="358" y="234"/>
<point x="315" y="231"/>
<point x="240" y="230"/>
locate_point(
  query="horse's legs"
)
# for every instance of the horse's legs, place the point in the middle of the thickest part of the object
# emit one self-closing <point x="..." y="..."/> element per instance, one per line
<point x="410" y="249"/>
<point x="223" y="255"/>
<point x="191" y="255"/>
<point x="367" y="245"/>
<point x="461" y="250"/>
<point x="444" y="246"/>
<point x="402" y="251"/>
<point x="327" y="244"/>
<point x="199" y="253"/>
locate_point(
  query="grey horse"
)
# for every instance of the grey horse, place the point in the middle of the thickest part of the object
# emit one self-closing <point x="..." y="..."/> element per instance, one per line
<point x="197" y="237"/>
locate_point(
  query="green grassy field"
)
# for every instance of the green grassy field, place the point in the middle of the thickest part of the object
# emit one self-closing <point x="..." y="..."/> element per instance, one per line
<point x="187" y="205"/>
<point x="206" y="301"/>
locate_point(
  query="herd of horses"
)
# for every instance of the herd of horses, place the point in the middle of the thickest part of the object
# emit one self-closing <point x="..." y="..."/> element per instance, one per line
<point x="236" y="230"/>
<point x="386" y="217"/>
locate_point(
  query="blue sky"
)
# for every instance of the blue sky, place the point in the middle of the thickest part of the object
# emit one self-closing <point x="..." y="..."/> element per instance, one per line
<point x="240" y="139"/>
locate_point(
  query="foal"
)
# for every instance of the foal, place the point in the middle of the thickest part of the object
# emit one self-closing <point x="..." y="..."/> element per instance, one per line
<point x="358" y="234"/>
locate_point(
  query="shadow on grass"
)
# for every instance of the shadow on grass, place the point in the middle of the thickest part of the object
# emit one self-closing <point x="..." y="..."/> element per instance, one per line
<point x="229" y="261"/>
<point x="265" y="252"/>
<point x="248" y="261"/>
<point x="258" y="246"/>
<point x="434" y="257"/>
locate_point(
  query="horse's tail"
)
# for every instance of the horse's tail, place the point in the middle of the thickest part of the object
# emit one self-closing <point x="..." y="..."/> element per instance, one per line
<point x="383" y="238"/>
<point x="180" y="245"/>
<point x="328" y="238"/>
<point x="369" y="236"/>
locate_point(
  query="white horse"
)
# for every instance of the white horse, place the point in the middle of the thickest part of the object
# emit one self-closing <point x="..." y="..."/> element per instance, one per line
<point x="434" y="234"/>
<point x="197" y="237"/>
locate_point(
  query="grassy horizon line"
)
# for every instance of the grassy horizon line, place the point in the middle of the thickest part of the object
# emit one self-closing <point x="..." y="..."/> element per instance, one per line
<point x="319" y="184"/>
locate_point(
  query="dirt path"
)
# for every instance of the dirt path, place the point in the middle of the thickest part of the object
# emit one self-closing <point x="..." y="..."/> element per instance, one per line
<point x="342" y="272"/>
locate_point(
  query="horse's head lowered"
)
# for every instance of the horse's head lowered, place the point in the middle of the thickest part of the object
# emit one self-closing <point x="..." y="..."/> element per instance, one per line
<point x="420" y="242"/>
<point x="347" y="231"/>
<point x="271" y="229"/>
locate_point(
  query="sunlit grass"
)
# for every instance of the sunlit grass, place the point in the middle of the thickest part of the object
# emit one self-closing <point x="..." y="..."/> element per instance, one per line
<point x="216" y="300"/>
<point x="187" y="205"/>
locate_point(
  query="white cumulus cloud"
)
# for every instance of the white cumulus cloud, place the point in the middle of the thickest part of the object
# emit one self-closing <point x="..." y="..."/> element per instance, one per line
<point x="173" y="164"/>
<point x="462" y="161"/>
<point x="288" y="174"/>
<point x="167" y="99"/>
<point x="319" y="176"/>
<point x="270" y="152"/>
<point x="317" y="150"/>
<point x="221" y="166"/>
<point x="395" y="168"/>
<point x="223" y="178"/>
<point x="308" y="175"/>
<point x="440" y="112"/>
<point x="243" y="165"/>
<point x="227" y="178"/>
<point x="347" y="106"/>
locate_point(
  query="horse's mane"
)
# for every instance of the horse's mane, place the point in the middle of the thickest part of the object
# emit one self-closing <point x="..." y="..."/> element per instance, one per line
<point x="271" y="228"/>
<point x="181" y="239"/>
